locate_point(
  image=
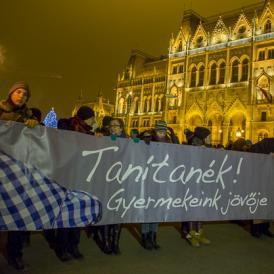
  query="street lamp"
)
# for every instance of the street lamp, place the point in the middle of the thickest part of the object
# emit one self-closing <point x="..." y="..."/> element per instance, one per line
<point x="238" y="133"/>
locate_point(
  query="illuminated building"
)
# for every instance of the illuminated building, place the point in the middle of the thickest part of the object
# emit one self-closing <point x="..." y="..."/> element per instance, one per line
<point x="219" y="73"/>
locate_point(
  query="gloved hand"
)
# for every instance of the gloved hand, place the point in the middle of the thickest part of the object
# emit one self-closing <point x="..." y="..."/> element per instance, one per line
<point x="113" y="137"/>
<point x="136" y="140"/>
<point x="31" y="123"/>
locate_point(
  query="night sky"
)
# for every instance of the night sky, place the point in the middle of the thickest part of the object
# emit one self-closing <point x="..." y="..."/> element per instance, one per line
<point x="64" y="46"/>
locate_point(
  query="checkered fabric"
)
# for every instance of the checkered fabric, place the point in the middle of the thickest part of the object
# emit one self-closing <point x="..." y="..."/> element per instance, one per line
<point x="31" y="201"/>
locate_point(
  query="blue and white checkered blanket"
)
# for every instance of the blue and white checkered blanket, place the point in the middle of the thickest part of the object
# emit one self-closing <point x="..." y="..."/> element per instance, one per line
<point x="31" y="201"/>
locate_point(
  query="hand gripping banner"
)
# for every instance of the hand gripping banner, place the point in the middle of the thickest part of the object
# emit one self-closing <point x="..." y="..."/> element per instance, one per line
<point x="53" y="178"/>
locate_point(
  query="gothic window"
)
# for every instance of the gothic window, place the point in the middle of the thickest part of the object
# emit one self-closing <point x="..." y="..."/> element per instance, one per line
<point x="213" y="74"/>
<point x="181" y="68"/>
<point x="201" y="76"/>
<point x="129" y="102"/>
<point x="235" y="71"/>
<point x="149" y="104"/>
<point x="267" y="26"/>
<point x="245" y="70"/>
<point x="145" y="104"/>
<point x="136" y="105"/>
<point x="261" y="55"/>
<point x="162" y="103"/>
<point x="199" y="41"/>
<point x="241" y="32"/>
<point x="174" y="70"/>
<point x="263" y="116"/>
<point x="193" y="77"/>
<point x="222" y="73"/>
<point x="271" y="54"/>
<point x="180" y="47"/>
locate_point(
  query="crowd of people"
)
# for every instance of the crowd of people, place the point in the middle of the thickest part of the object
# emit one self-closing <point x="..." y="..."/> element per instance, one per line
<point x="65" y="241"/>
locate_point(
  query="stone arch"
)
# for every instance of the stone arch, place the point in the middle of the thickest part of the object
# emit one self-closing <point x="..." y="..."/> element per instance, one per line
<point x="214" y="121"/>
<point x="194" y="120"/>
<point x="261" y="134"/>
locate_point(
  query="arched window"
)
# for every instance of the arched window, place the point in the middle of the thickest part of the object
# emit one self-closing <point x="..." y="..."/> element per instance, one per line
<point x="245" y="70"/>
<point x="162" y="103"/>
<point x="193" y="77"/>
<point x="145" y="104"/>
<point x="222" y="73"/>
<point x="201" y="76"/>
<point x="213" y="74"/>
<point x="129" y="102"/>
<point x="136" y="105"/>
<point x="149" y="104"/>
<point x="267" y="26"/>
<point x="235" y="71"/>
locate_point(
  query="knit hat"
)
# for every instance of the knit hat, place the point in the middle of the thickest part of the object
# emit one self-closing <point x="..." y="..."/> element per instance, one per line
<point x="19" y="85"/>
<point x="201" y="132"/>
<point x="188" y="133"/>
<point x="85" y="113"/>
<point x="161" y="125"/>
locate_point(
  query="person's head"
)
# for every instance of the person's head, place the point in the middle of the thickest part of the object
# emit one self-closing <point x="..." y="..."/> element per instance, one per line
<point x="203" y="135"/>
<point x="161" y="129"/>
<point x="116" y="126"/>
<point x="189" y="135"/>
<point x="134" y="133"/>
<point x="86" y="114"/>
<point x="147" y="136"/>
<point x="99" y="132"/>
<point x="240" y="145"/>
<point x="19" y="94"/>
<point x="106" y="121"/>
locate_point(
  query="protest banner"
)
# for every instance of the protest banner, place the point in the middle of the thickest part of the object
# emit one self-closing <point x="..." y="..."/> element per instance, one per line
<point x="139" y="183"/>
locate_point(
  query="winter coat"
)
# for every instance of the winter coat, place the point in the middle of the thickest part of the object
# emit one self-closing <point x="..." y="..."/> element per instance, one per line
<point x="10" y="112"/>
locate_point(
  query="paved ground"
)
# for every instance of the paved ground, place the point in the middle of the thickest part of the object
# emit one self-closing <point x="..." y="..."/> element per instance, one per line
<point x="232" y="250"/>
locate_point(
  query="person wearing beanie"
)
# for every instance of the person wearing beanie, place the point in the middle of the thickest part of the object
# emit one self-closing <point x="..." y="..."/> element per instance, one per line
<point x="160" y="132"/>
<point x="193" y="231"/>
<point x="83" y="120"/>
<point x="85" y="113"/>
<point x="14" y="108"/>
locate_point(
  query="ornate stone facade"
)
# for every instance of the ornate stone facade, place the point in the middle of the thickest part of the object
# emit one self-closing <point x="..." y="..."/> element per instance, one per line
<point x="219" y="73"/>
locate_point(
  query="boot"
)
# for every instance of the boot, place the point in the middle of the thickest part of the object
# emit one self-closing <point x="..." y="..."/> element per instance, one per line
<point x="153" y="237"/>
<point x="146" y="243"/>
<point x="202" y="238"/>
<point x="192" y="238"/>
<point x="62" y="255"/>
<point x="74" y="251"/>
<point x="116" y="239"/>
<point x="106" y="240"/>
<point x="255" y="230"/>
<point x="264" y="228"/>
<point x="17" y="263"/>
